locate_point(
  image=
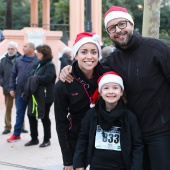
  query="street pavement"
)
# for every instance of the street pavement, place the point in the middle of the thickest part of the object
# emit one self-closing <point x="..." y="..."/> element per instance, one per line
<point x="15" y="156"/>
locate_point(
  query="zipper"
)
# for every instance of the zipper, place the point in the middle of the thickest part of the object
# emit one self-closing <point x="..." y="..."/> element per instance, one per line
<point x="161" y="114"/>
<point x="129" y="71"/>
<point x="137" y="72"/>
<point x="45" y="91"/>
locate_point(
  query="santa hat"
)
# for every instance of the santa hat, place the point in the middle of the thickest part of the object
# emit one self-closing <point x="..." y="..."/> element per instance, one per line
<point x="117" y="12"/>
<point x="86" y="37"/>
<point x="108" y="77"/>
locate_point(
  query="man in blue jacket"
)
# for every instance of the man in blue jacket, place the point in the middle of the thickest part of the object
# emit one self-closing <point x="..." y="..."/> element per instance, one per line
<point x="19" y="75"/>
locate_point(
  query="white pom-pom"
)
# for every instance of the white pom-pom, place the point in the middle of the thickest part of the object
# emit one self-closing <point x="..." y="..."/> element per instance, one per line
<point x="92" y="105"/>
<point x="95" y="37"/>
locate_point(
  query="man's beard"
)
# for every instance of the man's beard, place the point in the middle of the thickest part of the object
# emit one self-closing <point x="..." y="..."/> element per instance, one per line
<point x="10" y="55"/>
<point x="125" y="43"/>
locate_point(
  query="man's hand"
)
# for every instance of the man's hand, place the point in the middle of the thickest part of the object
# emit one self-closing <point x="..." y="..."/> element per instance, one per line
<point x="79" y="169"/>
<point x="12" y="93"/>
<point x="68" y="167"/>
<point x="65" y="74"/>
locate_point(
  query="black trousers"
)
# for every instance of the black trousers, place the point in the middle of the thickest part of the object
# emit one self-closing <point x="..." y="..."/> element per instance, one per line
<point x="157" y="152"/>
<point x="46" y="124"/>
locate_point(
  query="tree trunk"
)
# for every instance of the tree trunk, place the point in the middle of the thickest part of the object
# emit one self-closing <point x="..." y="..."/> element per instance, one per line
<point x="9" y="20"/>
<point x="151" y="18"/>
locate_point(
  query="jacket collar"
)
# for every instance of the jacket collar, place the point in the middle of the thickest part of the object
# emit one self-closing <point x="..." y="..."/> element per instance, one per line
<point x="134" y="43"/>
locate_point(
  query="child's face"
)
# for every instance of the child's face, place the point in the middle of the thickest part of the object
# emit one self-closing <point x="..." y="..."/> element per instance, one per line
<point x="111" y="93"/>
<point x="87" y="57"/>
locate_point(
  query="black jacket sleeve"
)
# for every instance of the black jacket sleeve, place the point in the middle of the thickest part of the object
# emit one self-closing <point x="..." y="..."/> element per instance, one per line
<point x="137" y="144"/>
<point x="81" y="154"/>
<point x="61" y="104"/>
<point x="12" y="81"/>
<point x="1" y="75"/>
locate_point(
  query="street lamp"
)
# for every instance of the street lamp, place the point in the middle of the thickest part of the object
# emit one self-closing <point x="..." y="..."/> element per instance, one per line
<point x="88" y="23"/>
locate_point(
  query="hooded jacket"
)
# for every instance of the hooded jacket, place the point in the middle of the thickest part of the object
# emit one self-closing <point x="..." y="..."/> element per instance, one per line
<point x="73" y="99"/>
<point x="144" y="68"/>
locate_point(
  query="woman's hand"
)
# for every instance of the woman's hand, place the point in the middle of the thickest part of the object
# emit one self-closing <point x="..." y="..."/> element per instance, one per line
<point x="68" y="167"/>
<point x="65" y="74"/>
<point x="12" y="93"/>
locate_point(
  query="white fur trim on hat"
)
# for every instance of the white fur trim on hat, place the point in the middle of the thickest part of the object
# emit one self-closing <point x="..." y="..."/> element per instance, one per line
<point x="110" y="78"/>
<point x="94" y="39"/>
<point x="117" y="14"/>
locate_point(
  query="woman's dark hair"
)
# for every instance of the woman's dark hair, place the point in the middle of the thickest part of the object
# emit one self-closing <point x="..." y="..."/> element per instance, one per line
<point x="45" y="50"/>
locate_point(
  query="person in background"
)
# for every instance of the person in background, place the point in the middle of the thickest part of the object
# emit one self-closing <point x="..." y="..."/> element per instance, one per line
<point x="73" y="100"/>
<point x="143" y="63"/>
<point x="66" y="58"/>
<point x="42" y="77"/>
<point x="6" y="65"/>
<point x="19" y="75"/>
<point x="109" y="131"/>
<point x="105" y="52"/>
<point x="1" y="36"/>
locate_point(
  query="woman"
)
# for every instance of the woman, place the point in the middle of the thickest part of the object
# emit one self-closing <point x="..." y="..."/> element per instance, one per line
<point x="41" y="87"/>
<point x="72" y="100"/>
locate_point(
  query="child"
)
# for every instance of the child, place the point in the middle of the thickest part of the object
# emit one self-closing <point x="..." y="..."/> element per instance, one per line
<point x="110" y="137"/>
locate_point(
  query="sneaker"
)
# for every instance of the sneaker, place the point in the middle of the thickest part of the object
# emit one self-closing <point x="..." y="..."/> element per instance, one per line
<point x="24" y="131"/>
<point x="13" y="138"/>
<point x="6" y="132"/>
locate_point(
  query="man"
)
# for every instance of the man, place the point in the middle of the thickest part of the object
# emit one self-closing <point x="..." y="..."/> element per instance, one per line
<point x="144" y="65"/>
<point x="105" y="52"/>
<point x="66" y="58"/>
<point x="19" y="75"/>
<point x="6" y="65"/>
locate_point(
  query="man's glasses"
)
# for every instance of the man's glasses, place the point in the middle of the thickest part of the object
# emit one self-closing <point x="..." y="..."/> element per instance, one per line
<point x="122" y="24"/>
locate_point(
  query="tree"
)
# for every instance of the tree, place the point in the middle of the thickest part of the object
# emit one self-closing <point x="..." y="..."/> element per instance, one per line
<point x="165" y="21"/>
<point x="2" y="14"/>
<point x="21" y="14"/>
<point x="151" y="18"/>
<point x="9" y="20"/>
<point x="61" y="12"/>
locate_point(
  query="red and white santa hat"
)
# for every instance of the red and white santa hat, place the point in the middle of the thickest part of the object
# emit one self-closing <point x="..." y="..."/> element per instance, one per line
<point x="117" y="12"/>
<point x="86" y="37"/>
<point x="108" y="77"/>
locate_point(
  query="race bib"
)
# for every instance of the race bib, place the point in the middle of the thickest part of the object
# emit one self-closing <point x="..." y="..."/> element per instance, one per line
<point x="108" y="139"/>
